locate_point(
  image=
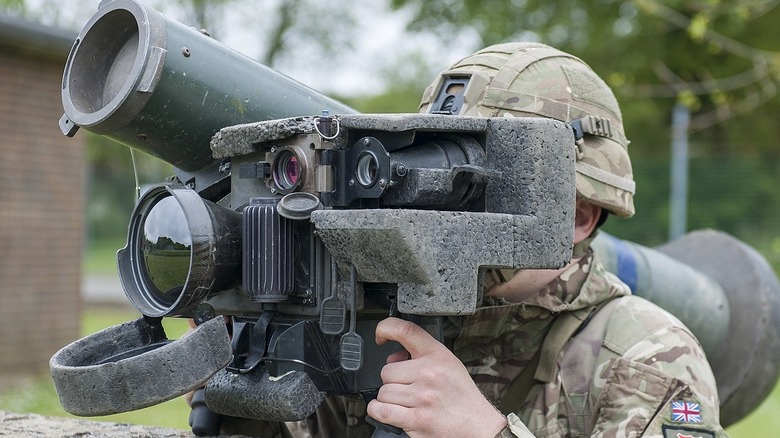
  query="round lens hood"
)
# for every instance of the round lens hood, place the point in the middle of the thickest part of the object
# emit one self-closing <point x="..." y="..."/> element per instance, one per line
<point x="181" y="250"/>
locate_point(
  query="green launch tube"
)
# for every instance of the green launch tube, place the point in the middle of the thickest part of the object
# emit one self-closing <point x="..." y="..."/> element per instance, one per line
<point x="725" y="292"/>
<point x="694" y="298"/>
<point x="161" y="87"/>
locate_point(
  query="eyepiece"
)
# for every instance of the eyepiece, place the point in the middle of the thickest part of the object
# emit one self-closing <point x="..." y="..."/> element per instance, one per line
<point x="367" y="169"/>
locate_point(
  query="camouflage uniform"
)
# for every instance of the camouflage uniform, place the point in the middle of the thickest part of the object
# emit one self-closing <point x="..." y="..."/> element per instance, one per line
<point x="632" y="370"/>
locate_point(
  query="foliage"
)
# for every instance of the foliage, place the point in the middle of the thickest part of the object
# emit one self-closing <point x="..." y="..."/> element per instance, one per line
<point x="203" y="11"/>
<point x="100" y="256"/>
<point x="300" y="29"/>
<point x="13" y="5"/>
<point x="280" y="27"/>
<point x="734" y="193"/>
<point x="406" y="78"/>
<point x="51" y="12"/>
<point x="718" y="57"/>
<point x="112" y="184"/>
<point x="761" y="421"/>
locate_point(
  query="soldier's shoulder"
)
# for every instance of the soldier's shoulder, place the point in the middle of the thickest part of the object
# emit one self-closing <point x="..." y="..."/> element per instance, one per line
<point x="649" y="350"/>
<point x="639" y="331"/>
<point x="630" y="320"/>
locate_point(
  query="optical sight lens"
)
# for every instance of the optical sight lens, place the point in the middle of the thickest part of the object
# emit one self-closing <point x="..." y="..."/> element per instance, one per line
<point x="166" y="248"/>
<point x="287" y="171"/>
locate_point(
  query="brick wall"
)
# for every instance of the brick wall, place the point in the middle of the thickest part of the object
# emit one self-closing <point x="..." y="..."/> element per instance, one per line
<point x="42" y="186"/>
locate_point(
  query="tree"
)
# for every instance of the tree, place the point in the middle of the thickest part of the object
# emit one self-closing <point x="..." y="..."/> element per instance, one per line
<point x="717" y="57"/>
<point x="282" y="28"/>
<point x="51" y="12"/>
<point x="202" y="11"/>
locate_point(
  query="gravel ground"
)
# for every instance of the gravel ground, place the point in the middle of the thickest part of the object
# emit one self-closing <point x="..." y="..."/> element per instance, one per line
<point x="33" y="425"/>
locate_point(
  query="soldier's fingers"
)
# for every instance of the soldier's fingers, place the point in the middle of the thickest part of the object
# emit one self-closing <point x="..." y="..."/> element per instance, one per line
<point x="411" y="336"/>
<point x="404" y="372"/>
<point x="397" y="394"/>
<point x="399" y="356"/>
<point x="389" y="413"/>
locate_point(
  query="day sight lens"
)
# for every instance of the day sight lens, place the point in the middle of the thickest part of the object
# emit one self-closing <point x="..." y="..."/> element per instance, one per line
<point x="166" y="248"/>
<point x="181" y="250"/>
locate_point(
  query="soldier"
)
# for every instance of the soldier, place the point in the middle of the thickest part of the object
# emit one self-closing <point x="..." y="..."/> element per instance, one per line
<point x="567" y="352"/>
<point x="564" y="352"/>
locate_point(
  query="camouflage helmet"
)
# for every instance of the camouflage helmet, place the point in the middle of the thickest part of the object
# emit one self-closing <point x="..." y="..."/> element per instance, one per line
<point x="536" y="80"/>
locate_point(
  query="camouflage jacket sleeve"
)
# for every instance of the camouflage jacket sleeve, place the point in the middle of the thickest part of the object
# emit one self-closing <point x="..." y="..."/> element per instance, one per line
<point x="656" y="379"/>
<point x="649" y="378"/>
<point x="515" y="428"/>
<point x="659" y="382"/>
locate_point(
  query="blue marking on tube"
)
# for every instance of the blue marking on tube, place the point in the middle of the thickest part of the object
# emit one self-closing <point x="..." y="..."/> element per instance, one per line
<point x="626" y="265"/>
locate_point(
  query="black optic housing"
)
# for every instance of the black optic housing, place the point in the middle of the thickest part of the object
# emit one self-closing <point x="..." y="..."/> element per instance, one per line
<point x="181" y="250"/>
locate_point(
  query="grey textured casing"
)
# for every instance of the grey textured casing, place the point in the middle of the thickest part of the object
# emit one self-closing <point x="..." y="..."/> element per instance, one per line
<point x="524" y="219"/>
<point x="257" y="395"/>
<point x="434" y="256"/>
<point x="88" y="388"/>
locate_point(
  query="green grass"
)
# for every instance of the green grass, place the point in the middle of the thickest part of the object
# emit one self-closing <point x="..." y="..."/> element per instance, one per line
<point x="37" y="394"/>
<point x="100" y="258"/>
<point x="764" y="421"/>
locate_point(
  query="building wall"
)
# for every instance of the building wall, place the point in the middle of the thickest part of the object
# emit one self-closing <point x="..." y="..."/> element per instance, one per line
<point x="42" y="186"/>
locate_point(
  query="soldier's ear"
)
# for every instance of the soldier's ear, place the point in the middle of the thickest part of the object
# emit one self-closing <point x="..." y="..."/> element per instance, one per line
<point x="586" y="220"/>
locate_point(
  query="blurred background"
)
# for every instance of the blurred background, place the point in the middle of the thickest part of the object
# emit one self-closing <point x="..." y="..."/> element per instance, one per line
<point x="697" y="81"/>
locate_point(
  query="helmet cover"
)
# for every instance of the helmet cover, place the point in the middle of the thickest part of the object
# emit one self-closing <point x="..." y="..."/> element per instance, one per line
<point x="536" y="80"/>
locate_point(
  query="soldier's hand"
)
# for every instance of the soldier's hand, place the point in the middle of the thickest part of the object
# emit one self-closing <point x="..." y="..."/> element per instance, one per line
<point x="427" y="391"/>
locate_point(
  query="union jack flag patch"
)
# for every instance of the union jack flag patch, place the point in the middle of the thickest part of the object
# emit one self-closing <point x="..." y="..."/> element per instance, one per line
<point x="686" y="412"/>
